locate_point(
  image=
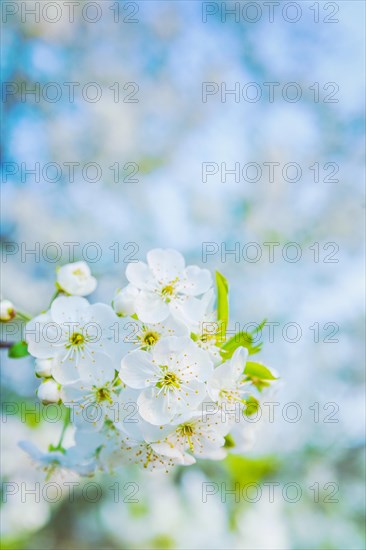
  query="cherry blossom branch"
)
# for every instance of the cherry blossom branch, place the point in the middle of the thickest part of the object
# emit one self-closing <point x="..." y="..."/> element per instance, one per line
<point x="6" y="345"/>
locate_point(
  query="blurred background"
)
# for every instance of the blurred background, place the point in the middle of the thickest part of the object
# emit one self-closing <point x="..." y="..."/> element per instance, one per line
<point x="148" y="130"/>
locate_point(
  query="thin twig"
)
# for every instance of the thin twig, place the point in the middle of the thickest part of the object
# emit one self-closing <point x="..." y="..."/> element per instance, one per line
<point x="6" y="345"/>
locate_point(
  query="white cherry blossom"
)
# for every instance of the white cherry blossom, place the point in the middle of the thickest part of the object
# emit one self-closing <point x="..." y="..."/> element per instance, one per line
<point x="203" y="435"/>
<point x="76" y="279"/>
<point x="146" y="335"/>
<point x="144" y="381"/>
<point x="148" y="456"/>
<point x="171" y="378"/>
<point x="54" y="461"/>
<point x="227" y="384"/>
<point x="92" y="397"/>
<point x="71" y="331"/>
<point x="208" y="331"/>
<point x="166" y="286"/>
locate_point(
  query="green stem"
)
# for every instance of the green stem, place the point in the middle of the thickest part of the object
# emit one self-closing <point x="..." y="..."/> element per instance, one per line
<point x="64" y="428"/>
<point x="23" y="316"/>
<point x="54" y="296"/>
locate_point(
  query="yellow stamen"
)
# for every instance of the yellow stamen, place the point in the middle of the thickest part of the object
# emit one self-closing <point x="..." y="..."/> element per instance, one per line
<point x="76" y="339"/>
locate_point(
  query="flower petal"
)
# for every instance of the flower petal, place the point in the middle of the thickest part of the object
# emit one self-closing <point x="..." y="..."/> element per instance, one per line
<point x="97" y="371"/>
<point x="170" y="327"/>
<point x="40" y="333"/>
<point x="238" y="360"/>
<point x="195" y="281"/>
<point x="155" y="433"/>
<point x="155" y="407"/>
<point x="75" y="392"/>
<point x="104" y="317"/>
<point x="227" y="375"/>
<point x="195" y="363"/>
<point x="166" y="265"/>
<point x="140" y="276"/>
<point x="167" y="347"/>
<point x="66" y="309"/>
<point x="191" y="394"/>
<point x="167" y="449"/>
<point x="65" y="372"/>
<point x="137" y="370"/>
<point x="150" y="307"/>
<point x="190" y="310"/>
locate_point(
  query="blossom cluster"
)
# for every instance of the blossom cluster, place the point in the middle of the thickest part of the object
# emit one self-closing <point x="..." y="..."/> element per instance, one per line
<point x="179" y="389"/>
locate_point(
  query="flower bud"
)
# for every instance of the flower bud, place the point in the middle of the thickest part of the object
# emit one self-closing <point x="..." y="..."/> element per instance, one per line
<point x="76" y="279"/>
<point x="49" y="392"/>
<point x="124" y="301"/>
<point x="7" y="311"/>
<point x="43" y="367"/>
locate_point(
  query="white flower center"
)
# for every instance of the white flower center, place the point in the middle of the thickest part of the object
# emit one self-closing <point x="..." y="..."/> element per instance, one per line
<point x="168" y="291"/>
<point x="149" y="338"/>
<point x="169" y="381"/>
<point x="76" y="339"/>
<point x="187" y="432"/>
<point x="76" y="344"/>
<point x="103" y="394"/>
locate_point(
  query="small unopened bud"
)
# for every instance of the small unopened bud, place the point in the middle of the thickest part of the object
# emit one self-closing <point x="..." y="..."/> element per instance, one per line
<point x="7" y="311"/>
<point x="43" y="367"/>
<point x="124" y="301"/>
<point x="76" y="279"/>
<point x="49" y="392"/>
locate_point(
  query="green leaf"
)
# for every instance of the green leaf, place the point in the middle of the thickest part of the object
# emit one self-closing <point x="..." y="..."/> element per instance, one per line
<point x="18" y="350"/>
<point x="222" y="300"/>
<point x="229" y="441"/>
<point x="244" y="339"/>
<point x="257" y="370"/>
<point x="239" y="339"/>
<point x="255" y="349"/>
<point x="259" y="327"/>
<point x="252" y="406"/>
